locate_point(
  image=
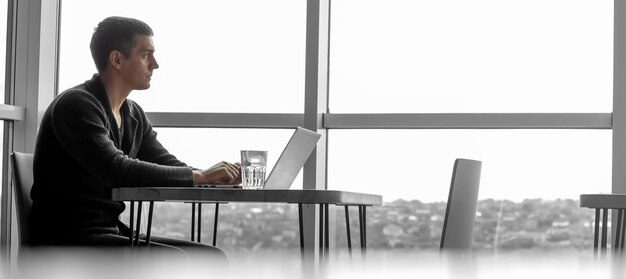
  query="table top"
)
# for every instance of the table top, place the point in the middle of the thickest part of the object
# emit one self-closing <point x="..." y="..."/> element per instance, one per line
<point x="196" y="194"/>
<point x="603" y="200"/>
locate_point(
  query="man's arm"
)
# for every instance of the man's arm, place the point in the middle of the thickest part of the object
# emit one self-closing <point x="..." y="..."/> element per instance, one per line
<point x="152" y="150"/>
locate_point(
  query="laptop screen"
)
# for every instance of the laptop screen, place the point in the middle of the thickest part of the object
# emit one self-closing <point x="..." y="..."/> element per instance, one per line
<point x="292" y="159"/>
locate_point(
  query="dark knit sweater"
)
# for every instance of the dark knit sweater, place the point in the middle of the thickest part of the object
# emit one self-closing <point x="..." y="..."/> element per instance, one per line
<point x="80" y="156"/>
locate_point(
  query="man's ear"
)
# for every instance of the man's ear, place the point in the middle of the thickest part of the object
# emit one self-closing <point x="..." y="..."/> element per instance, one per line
<point x="115" y="59"/>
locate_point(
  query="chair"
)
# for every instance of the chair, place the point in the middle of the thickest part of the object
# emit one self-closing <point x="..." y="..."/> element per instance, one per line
<point x="458" y="223"/>
<point x="602" y="203"/>
<point x="22" y="183"/>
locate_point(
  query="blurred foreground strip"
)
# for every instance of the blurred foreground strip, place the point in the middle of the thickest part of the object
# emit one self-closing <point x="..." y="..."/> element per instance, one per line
<point x="98" y="263"/>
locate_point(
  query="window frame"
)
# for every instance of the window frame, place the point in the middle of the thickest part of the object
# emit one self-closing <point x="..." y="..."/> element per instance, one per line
<point x="30" y="85"/>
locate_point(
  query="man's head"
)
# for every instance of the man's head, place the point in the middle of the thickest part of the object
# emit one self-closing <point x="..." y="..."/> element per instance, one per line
<point x="122" y="48"/>
<point x="115" y="33"/>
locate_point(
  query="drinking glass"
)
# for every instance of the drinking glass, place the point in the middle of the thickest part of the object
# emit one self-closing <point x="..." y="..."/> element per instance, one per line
<point x="253" y="166"/>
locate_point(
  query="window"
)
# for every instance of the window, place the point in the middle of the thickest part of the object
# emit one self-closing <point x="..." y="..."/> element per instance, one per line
<point x="517" y="164"/>
<point x="471" y="56"/>
<point x="528" y="199"/>
<point x="392" y="56"/>
<point x="214" y="56"/>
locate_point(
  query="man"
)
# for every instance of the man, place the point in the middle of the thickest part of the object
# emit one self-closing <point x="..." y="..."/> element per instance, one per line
<point x="92" y="139"/>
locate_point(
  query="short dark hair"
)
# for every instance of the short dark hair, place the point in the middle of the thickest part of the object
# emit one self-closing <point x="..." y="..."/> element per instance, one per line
<point x="115" y="33"/>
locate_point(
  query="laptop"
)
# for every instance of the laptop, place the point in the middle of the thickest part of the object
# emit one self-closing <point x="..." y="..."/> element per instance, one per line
<point x="291" y="160"/>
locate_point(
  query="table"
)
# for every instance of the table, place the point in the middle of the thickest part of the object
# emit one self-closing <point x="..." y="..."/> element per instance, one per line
<point x="322" y="198"/>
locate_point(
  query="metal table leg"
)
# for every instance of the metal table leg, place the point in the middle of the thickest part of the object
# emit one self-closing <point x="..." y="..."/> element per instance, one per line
<point x="321" y="234"/>
<point x="132" y="219"/>
<point x="199" y="222"/>
<point x="217" y="210"/>
<point x="193" y="221"/>
<point x="618" y="232"/>
<point x="596" y="233"/>
<point x="605" y="213"/>
<point x="362" y="228"/>
<point x="621" y="246"/>
<point x="348" y="231"/>
<point x="138" y="223"/>
<point x="326" y="234"/>
<point x="149" y="228"/>
<point x="301" y="226"/>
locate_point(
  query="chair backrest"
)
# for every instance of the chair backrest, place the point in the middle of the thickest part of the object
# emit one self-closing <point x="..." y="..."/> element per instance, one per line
<point x="22" y="183"/>
<point x="458" y="223"/>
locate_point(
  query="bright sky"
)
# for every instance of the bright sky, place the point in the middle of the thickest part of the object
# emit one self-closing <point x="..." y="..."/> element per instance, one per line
<point x="386" y="56"/>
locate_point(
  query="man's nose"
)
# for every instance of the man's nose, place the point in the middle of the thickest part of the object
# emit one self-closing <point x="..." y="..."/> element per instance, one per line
<point x="155" y="65"/>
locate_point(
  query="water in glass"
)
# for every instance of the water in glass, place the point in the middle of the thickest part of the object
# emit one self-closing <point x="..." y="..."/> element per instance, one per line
<point x="253" y="177"/>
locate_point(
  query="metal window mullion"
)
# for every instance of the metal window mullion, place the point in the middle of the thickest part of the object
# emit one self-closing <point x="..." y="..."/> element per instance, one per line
<point x="226" y="120"/>
<point x="619" y="101"/>
<point x="468" y="121"/>
<point x="315" y="105"/>
<point x="7" y="144"/>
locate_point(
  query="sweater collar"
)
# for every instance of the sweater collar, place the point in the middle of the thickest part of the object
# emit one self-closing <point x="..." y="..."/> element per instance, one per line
<point x="96" y="86"/>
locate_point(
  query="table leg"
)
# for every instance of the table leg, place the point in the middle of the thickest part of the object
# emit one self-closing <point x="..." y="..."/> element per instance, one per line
<point x="326" y="234"/>
<point x="193" y="221"/>
<point x="348" y="231"/>
<point x="301" y="226"/>
<point x="596" y="233"/>
<point x="605" y="213"/>
<point x="138" y="223"/>
<point x="149" y="228"/>
<point x="132" y="219"/>
<point x="321" y="234"/>
<point x="621" y="243"/>
<point x="217" y="210"/>
<point x="618" y="232"/>
<point x="199" y="221"/>
<point x="362" y="229"/>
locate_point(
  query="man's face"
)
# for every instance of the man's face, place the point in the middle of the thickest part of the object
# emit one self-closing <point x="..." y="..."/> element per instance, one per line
<point x="138" y="66"/>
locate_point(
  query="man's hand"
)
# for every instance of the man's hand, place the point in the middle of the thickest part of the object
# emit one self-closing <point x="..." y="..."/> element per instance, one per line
<point x="221" y="173"/>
